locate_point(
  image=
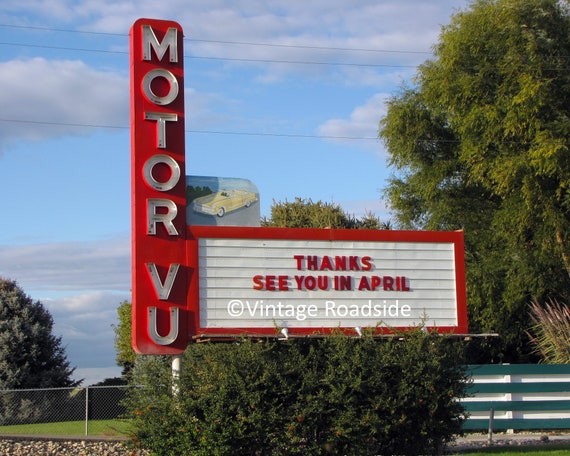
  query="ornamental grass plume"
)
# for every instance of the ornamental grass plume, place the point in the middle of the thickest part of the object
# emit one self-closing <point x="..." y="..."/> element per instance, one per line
<point x="550" y="333"/>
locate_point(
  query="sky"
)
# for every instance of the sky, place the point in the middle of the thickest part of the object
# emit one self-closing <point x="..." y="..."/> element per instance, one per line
<point x="285" y="93"/>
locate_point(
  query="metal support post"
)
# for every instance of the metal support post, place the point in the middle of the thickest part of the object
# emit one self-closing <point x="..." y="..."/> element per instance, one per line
<point x="176" y="364"/>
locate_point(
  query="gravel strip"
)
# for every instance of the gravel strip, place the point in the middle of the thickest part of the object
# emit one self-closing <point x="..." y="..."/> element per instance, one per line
<point x="43" y="447"/>
<point x="26" y="446"/>
<point x="478" y="441"/>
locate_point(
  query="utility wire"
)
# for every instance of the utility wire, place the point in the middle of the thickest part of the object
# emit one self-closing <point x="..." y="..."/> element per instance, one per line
<point x="213" y="132"/>
<point x="301" y="62"/>
<point x="241" y="43"/>
<point x="304" y="46"/>
<point x="244" y="59"/>
<point x="226" y="42"/>
<point x="62" y="48"/>
<point x="231" y="59"/>
<point x="49" y="29"/>
<point x="246" y="133"/>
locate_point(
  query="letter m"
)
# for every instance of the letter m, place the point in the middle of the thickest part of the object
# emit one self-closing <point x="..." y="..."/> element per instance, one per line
<point x="170" y="41"/>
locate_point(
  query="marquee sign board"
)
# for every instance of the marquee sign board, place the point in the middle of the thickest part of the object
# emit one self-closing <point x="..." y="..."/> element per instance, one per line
<point x="219" y="281"/>
<point x="259" y="281"/>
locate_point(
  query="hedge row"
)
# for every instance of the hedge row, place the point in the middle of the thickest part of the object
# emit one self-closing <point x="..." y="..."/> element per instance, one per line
<point x="331" y="396"/>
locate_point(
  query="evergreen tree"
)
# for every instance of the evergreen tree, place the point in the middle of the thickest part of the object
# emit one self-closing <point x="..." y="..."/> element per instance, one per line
<point x="30" y="355"/>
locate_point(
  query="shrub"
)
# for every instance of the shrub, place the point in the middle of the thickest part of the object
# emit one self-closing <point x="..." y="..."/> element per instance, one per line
<point x="551" y="331"/>
<point x="331" y="396"/>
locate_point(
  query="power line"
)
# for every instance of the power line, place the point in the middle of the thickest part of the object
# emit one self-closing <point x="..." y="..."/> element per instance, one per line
<point x="49" y="29"/>
<point x="212" y="132"/>
<point x="247" y="133"/>
<point x="304" y="46"/>
<point x="231" y="42"/>
<point x="241" y="59"/>
<point x="284" y="135"/>
<point x="231" y="59"/>
<point x="63" y="124"/>
<point x="301" y="62"/>
<point x="62" y="48"/>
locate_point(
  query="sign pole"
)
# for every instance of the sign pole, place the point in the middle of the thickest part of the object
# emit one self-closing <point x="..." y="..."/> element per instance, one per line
<point x="176" y="366"/>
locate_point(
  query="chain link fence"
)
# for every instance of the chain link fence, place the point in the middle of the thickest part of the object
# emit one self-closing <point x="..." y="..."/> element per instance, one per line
<point x="77" y="410"/>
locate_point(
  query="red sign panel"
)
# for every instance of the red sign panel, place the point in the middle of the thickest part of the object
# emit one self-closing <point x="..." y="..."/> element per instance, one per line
<point x="160" y="274"/>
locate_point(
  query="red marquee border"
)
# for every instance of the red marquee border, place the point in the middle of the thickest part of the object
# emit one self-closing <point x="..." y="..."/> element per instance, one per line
<point x="196" y="232"/>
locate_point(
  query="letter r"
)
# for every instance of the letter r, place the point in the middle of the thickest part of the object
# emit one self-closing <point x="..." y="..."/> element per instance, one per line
<point x="154" y="217"/>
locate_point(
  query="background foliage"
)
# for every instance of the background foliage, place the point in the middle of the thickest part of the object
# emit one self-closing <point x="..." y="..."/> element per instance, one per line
<point x="304" y="213"/>
<point x="480" y="143"/>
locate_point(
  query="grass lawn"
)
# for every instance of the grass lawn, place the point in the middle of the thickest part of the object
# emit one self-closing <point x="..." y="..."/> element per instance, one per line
<point x="108" y="428"/>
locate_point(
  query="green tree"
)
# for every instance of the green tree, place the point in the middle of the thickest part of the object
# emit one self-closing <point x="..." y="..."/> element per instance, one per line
<point x="126" y="356"/>
<point x="479" y="143"/>
<point x="30" y="355"/>
<point x="303" y="213"/>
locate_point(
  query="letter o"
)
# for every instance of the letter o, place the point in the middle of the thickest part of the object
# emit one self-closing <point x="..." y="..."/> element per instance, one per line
<point x="156" y="73"/>
<point x="168" y="161"/>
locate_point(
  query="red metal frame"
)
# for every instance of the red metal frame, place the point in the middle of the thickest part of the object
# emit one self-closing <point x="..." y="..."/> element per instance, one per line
<point x="196" y="232"/>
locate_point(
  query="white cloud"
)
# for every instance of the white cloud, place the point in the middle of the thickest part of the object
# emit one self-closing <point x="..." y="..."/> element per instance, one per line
<point x="68" y="266"/>
<point x="396" y="23"/>
<point x="86" y="319"/>
<point x="85" y="323"/>
<point x="376" y="32"/>
<point x="89" y="280"/>
<point x="63" y="93"/>
<point x="362" y="122"/>
<point x="67" y="93"/>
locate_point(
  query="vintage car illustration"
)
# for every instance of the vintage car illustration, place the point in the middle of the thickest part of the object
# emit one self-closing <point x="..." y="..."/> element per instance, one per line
<point x="222" y="202"/>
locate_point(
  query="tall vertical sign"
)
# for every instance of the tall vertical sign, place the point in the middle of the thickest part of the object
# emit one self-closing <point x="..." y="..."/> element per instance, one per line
<point x="158" y="191"/>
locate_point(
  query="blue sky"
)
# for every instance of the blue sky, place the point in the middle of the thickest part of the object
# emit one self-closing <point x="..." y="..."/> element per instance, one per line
<point x="285" y="93"/>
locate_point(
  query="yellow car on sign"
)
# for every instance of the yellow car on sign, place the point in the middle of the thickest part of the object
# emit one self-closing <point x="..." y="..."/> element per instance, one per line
<point x="220" y="203"/>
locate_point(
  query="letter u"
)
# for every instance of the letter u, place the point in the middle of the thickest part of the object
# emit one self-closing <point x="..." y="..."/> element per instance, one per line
<point x="153" y="330"/>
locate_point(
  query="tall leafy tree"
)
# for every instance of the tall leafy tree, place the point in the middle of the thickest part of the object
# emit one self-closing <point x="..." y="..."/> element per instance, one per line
<point x="480" y="142"/>
<point x="126" y="356"/>
<point x="30" y="355"/>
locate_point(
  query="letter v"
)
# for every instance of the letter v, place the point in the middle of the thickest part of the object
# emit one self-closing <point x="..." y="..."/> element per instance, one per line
<point x="163" y="290"/>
